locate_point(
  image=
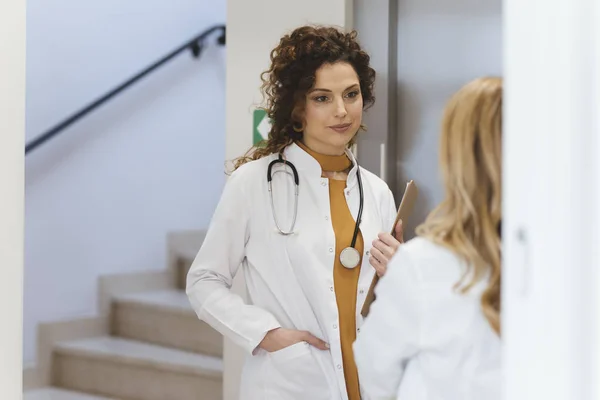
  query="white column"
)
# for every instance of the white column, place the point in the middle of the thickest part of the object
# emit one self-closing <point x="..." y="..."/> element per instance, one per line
<point x="12" y="147"/>
<point x="552" y="199"/>
<point x="253" y="30"/>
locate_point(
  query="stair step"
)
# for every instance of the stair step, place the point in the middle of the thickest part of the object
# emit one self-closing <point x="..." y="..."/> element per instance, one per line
<point x="58" y="394"/>
<point x="165" y="318"/>
<point x="166" y="300"/>
<point x="123" y="368"/>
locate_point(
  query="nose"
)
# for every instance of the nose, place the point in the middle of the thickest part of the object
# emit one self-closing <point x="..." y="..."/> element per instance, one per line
<point x="340" y="109"/>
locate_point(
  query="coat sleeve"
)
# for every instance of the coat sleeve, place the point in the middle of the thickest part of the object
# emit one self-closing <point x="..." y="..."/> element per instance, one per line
<point x="210" y="277"/>
<point x="391" y="332"/>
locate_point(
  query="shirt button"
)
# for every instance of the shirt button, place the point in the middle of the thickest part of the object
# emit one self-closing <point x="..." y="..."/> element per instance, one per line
<point x="323" y="183"/>
<point x="334" y="326"/>
<point x="339" y="366"/>
<point x="367" y="252"/>
<point x="331" y="249"/>
<point x="331" y="288"/>
<point x="362" y="291"/>
<point x="326" y="218"/>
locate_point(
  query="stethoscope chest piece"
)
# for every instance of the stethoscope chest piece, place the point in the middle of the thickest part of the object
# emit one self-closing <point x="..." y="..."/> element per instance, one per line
<point x="350" y="257"/>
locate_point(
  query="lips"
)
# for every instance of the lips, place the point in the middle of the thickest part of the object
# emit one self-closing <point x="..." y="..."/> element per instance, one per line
<point x="341" y="128"/>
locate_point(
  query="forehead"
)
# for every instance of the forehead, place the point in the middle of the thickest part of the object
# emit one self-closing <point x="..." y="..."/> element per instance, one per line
<point x="338" y="76"/>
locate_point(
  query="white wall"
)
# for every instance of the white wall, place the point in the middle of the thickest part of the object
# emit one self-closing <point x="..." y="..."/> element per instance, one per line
<point x="441" y="46"/>
<point x="12" y="128"/>
<point x="253" y="29"/>
<point x="551" y="286"/>
<point x="101" y="197"/>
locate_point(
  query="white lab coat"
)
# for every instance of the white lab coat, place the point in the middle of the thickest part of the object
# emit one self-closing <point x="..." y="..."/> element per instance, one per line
<point x="289" y="279"/>
<point x="424" y="341"/>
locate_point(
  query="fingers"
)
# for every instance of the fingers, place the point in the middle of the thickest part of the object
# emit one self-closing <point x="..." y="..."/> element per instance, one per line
<point x="386" y="245"/>
<point x="378" y="256"/>
<point x="314" y="341"/>
<point x="389" y="240"/>
<point x="378" y="265"/>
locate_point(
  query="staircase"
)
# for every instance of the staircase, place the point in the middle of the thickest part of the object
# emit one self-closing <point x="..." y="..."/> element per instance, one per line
<point x="156" y="348"/>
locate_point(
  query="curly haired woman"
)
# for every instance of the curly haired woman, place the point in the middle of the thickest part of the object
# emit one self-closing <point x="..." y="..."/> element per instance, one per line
<point x="308" y="246"/>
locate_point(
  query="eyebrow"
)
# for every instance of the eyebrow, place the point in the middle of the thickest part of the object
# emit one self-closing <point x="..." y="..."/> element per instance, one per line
<point x="329" y="91"/>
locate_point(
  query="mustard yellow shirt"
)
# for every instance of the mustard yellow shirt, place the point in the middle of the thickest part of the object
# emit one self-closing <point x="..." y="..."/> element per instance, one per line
<point x="345" y="280"/>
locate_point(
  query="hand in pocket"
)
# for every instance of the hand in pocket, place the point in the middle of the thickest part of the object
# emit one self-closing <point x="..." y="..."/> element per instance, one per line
<point x="280" y="338"/>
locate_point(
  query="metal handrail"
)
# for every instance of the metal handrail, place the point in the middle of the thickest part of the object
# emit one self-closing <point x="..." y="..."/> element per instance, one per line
<point x="195" y="45"/>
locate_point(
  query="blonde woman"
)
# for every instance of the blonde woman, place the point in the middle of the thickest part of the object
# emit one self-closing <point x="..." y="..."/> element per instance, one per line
<point x="434" y="330"/>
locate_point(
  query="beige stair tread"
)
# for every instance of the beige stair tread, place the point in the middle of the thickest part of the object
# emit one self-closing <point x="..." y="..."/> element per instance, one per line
<point x="170" y="300"/>
<point x="58" y="394"/>
<point x="143" y="354"/>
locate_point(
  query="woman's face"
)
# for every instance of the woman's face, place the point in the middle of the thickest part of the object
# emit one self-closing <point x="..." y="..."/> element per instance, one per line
<point x="333" y="111"/>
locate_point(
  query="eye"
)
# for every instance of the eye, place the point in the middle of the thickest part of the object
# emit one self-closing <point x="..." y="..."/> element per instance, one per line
<point x="353" y="94"/>
<point x="320" y="99"/>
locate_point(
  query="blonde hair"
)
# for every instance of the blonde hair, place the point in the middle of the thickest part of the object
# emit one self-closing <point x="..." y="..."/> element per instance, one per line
<point x="468" y="219"/>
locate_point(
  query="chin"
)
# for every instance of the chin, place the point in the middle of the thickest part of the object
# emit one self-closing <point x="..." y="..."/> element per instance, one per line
<point x="345" y="138"/>
<point x="341" y="141"/>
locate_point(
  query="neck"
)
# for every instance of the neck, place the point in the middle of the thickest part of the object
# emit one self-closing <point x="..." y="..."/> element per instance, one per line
<point x="333" y="163"/>
<point x="323" y="149"/>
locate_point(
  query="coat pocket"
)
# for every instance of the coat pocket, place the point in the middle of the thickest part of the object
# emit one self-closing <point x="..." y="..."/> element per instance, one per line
<point x="290" y="352"/>
<point x="293" y="373"/>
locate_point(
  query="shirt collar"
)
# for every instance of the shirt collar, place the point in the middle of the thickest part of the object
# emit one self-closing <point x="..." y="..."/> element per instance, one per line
<point x="311" y="167"/>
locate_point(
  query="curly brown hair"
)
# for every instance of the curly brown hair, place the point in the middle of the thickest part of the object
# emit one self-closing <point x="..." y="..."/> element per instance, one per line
<point x="294" y="63"/>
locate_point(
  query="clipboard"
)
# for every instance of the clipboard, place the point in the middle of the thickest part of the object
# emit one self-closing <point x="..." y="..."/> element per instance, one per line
<point x="404" y="210"/>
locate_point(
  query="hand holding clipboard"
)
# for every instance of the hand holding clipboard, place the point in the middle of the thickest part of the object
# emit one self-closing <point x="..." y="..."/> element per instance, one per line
<point x="406" y="206"/>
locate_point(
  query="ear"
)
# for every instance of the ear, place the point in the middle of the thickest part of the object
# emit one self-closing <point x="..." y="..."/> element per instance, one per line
<point x="298" y="118"/>
<point x="298" y="127"/>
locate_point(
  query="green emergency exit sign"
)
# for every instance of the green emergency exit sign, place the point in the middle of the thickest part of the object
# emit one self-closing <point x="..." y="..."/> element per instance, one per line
<point x="261" y="125"/>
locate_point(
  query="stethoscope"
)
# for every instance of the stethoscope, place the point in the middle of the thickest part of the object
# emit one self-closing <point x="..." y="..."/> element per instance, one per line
<point x="349" y="257"/>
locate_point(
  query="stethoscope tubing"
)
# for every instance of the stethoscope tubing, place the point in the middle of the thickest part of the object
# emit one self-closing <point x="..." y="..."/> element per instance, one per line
<point x="296" y="178"/>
